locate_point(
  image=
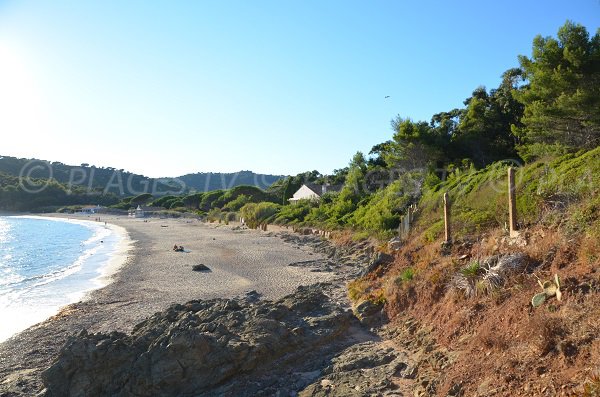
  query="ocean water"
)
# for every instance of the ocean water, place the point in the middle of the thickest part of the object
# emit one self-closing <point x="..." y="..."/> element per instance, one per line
<point x="46" y="264"/>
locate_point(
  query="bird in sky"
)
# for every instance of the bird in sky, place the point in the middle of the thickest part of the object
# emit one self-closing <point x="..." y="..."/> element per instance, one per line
<point x="386" y="97"/>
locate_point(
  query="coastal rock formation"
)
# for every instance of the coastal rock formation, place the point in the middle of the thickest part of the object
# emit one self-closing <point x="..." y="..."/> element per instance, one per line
<point x="365" y="369"/>
<point x="240" y="346"/>
<point x="369" y="313"/>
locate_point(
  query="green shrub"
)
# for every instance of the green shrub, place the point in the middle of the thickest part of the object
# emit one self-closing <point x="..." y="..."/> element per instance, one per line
<point x="238" y="202"/>
<point x="209" y="199"/>
<point x="215" y="215"/>
<point x="294" y="213"/>
<point x="472" y="270"/>
<point x="161" y="202"/>
<point x="176" y="204"/>
<point x="256" y="214"/>
<point x="544" y="191"/>
<point x="406" y="276"/>
<point x="434" y="231"/>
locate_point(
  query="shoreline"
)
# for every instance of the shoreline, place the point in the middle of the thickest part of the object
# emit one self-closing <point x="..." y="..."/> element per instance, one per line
<point x="97" y="266"/>
<point x="146" y="276"/>
<point x="116" y="257"/>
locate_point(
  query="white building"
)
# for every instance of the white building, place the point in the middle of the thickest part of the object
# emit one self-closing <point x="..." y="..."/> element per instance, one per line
<point x="91" y="209"/>
<point x="137" y="213"/>
<point x="313" y="192"/>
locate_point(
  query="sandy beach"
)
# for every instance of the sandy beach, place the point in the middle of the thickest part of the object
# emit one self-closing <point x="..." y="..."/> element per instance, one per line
<point x="147" y="276"/>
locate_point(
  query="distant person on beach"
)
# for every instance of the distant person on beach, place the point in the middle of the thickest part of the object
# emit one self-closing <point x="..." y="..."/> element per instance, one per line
<point x="178" y="248"/>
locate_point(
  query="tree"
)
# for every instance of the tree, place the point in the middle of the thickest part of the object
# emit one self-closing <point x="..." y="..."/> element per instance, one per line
<point x="483" y="133"/>
<point x="562" y="97"/>
<point x="414" y="145"/>
<point x="193" y="200"/>
<point x="355" y="179"/>
<point x="141" y="199"/>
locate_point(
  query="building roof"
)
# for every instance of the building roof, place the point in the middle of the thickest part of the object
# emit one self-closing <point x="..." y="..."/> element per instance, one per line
<point x="318" y="189"/>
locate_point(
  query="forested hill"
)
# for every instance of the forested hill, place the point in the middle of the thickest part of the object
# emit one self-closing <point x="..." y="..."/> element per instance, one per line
<point x="208" y="181"/>
<point x="93" y="179"/>
<point x="109" y="180"/>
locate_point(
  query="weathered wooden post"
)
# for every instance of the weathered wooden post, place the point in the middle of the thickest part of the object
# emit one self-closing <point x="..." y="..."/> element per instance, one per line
<point x="447" y="218"/>
<point x="512" y="202"/>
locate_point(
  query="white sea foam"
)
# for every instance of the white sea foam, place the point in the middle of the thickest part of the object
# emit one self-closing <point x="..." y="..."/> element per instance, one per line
<point x="25" y="301"/>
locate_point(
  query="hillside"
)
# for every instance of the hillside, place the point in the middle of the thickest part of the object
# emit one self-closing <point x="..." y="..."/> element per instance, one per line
<point x="468" y="322"/>
<point x="96" y="179"/>
<point x="208" y="181"/>
<point x="40" y="185"/>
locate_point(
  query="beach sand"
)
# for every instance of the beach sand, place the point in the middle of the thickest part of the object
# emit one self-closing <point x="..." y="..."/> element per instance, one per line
<point x="147" y="276"/>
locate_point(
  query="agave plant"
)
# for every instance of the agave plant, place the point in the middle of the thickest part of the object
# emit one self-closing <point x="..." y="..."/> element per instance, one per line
<point x="549" y="289"/>
<point x="488" y="275"/>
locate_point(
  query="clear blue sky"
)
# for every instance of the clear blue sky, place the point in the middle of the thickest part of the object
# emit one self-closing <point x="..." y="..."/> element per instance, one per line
<point x="165" y="88"/>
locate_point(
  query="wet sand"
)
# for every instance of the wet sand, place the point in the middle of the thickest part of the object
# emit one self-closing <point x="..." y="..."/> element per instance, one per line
<point x="152" y="277"/>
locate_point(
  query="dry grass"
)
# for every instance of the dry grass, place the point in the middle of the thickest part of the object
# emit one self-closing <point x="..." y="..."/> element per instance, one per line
<point x="591" y="387"/>
<point x="546" y="332"/>
<point x="357" y="289"/>
<point x="501" y="329"/>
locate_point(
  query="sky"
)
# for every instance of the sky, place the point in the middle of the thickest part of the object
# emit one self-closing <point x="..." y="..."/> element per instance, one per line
<point x="166" y="88"/>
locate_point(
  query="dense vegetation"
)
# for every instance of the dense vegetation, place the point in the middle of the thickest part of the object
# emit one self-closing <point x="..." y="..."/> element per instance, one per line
<point x="29" y="184"/>
<point x="213" y="202"/>
<point x="208" y="181"/>
<point x="557" y="191"/>
<point x="46" y="195"/>
<point x="95" y="179"/>
<point x="546" y="108"/>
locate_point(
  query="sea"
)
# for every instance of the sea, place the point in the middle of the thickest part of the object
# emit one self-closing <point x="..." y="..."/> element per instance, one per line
<point x="47" y="263"/>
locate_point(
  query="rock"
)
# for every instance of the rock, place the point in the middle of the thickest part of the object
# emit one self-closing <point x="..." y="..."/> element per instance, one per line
<point x="200" y="268"/>
<point x="446" y="248"/>
<point x="395" y="244"/>
<point x="252" y="296"/>
<point x="455" y="390"/>
<point x="361" y="370"/>
<point x="369" y="313"/>
<point x="380" y="259"/>
<point x="213" y="347"/>
<point x="367" y="308"/>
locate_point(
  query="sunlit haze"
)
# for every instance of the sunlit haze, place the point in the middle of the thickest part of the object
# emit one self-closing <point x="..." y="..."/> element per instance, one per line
<point x="281" y="87"/>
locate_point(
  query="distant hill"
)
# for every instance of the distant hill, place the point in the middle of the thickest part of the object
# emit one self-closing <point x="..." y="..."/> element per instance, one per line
<point x="109" y="180"/>
<point x="103" y="180"/>
<point x="207" y="181"/>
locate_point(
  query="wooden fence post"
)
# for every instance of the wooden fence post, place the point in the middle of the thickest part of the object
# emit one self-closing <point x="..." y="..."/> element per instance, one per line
<point x="447" y="218"/>
<point x="512" y="202"/>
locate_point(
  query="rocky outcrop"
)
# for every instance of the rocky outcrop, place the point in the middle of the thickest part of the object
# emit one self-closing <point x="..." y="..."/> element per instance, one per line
<point x="213" y="347"/>
<point x="308" y="342"/>
<point x="365" y="369"/>
<point x="380" y="259"/>
<point x="369" y="313"/>
<point x="349" y="261"/>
